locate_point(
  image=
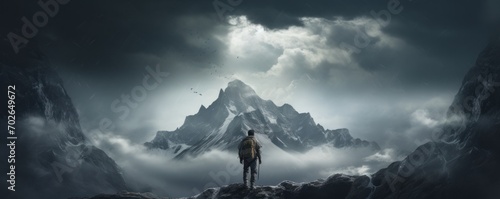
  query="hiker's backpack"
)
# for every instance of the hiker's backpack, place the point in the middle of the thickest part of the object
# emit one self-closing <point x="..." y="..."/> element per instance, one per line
<point x="248" y="148"/>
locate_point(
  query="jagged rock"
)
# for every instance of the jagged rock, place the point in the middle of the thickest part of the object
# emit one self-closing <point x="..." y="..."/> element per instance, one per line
<point x="53" y="158"/>
<point x="463" y="164"/>
<point x="125" y="195"/>
<point x="336" y="186"/>
<point x="361" y="188"/>
<point x="239" y="191"/>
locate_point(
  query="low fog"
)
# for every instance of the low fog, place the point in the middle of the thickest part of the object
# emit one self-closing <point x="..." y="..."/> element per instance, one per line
<point x="153" y="170"/>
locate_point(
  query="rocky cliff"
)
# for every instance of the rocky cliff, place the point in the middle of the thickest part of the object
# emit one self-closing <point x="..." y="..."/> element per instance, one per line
<point x="53" y="157"/>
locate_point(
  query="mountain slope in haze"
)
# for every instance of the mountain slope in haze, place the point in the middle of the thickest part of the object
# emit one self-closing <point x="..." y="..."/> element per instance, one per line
<point x="466" y="156"/>
<point x="53" y="157"/>
<point x="236" y="110"/>
<point x="462" y="162"/>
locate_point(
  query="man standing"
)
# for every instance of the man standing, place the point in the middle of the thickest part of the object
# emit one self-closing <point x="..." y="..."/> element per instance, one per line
<point x="249" y="151"/>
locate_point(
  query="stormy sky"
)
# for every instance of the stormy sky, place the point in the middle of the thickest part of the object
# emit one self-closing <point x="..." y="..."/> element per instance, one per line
<point x="387" y="70"/>
<point x="344" y="62"/>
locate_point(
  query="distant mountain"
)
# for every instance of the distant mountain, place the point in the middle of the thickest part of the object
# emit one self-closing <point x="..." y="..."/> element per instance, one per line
<point x="53" y="157"/>
<point x="236" y="110"/>
<point x="462" y="164"/>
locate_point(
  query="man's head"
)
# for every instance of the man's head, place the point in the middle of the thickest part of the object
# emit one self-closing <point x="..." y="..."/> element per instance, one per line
<point x="251" y="132"/>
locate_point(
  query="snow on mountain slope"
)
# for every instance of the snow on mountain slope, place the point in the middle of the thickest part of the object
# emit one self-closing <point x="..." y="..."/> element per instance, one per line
<point x="237" y="109"/>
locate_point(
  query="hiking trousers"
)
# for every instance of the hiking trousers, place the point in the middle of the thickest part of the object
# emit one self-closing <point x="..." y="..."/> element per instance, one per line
<point x="252" y="164"/>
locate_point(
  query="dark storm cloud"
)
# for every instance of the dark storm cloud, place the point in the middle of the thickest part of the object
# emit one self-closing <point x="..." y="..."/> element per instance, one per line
<point x="100" y="37"/>
<point x="103" y="35"/>
<point x="282" y="13"/>
<point x="442" y="34"/>
<point x="108" y="43"/>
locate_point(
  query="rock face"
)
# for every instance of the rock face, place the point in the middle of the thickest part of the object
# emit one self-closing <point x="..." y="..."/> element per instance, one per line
<point x="463" y="161"/>
<point x="237" y="109"/>
<point x="464" y="158"/>
<point x="336" y="186"/>
<point x="125" y="195"/>
<point x="53" y="157"/>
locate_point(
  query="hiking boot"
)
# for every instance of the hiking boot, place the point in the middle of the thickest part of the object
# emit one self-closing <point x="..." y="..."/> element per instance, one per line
<point x="251" y="186"/>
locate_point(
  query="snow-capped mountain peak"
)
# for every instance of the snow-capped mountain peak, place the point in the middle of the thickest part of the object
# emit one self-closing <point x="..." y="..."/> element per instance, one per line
<point x="239" y="87"/>
<point x="236" y="110"/>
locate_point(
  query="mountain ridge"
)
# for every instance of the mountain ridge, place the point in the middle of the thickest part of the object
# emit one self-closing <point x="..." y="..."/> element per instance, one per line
<point x="52" y="147"/>
<point x="237" y="109"/>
